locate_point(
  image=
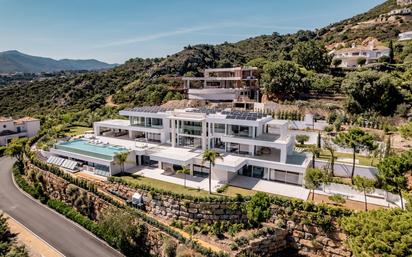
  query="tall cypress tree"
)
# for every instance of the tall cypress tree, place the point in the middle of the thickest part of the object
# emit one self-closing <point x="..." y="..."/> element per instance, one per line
<point x="391" y="53"/>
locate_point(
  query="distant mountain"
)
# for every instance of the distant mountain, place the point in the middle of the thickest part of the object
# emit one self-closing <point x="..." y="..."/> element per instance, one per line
<point x="15" y="61"/>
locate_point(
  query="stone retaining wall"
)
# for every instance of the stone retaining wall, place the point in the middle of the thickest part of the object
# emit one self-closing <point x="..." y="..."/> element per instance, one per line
<point x="266" y="245"/>
<point x="308" y="240"/>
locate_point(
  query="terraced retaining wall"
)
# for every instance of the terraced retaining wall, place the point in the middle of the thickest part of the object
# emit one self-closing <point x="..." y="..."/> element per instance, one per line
<point x="59" y="189"/>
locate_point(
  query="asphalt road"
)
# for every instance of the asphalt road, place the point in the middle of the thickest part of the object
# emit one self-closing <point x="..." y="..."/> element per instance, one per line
<point x="62" y="234"/>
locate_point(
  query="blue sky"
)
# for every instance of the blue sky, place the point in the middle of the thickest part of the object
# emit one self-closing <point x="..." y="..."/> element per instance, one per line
<point x="114" y="31"/>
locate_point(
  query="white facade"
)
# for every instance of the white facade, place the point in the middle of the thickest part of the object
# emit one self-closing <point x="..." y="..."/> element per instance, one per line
<point x="350" y="56"/>
<point x="252" y="144"/>
<point x="405" y="36"/>
<point x="24" y="127"/>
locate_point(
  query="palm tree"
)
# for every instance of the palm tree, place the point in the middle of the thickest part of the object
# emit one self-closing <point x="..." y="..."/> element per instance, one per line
<point x="185" y="171"/>
<point x="121" y="158"/>
<point x="315" y="151"/>
<point x="210" y="156"/>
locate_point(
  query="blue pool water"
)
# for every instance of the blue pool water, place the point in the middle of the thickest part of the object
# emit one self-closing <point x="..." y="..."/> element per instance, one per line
<point x="95" y="150"/>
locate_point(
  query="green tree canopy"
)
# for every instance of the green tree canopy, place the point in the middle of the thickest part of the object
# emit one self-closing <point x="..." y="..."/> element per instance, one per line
<point x="364" y="185"/>
<point x="258" y="208"/>
<point x="383" y="232"/>
<point x="392" y="171"/>
<point x="357" y="139"/>
<point x="16" y="147"/>
<point x="8" y="244"/>
<point x="406" y="130"/>
<point x="311" y="55"/>
<point x="371" y="91"/>
<point x="314" y="178"/>
<point x="283" y="80"/>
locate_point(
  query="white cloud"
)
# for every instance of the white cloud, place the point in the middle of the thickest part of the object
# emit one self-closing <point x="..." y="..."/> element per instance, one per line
<point x="146" y="38"/>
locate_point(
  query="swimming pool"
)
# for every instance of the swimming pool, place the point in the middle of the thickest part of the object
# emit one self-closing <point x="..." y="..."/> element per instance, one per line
<point x="102" y="151"/>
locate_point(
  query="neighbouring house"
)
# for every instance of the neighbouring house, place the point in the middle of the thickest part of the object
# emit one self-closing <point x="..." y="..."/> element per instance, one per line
<point x="24" y="127"/>
<point x="350" y="56"/>
<point x="252" y="144"/>
<point x="405" y="36"/>
<point x="403" y="2"/>
<point x="402" y="11"/>
<point x="224" y="84"/>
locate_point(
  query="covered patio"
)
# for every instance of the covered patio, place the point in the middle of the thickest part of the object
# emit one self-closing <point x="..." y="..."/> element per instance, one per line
<point x="191" y="181"/>
<point x="270" y="187"/>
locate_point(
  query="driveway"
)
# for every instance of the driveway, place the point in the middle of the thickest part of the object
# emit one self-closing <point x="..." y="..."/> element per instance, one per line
<point x="64" y="235"/>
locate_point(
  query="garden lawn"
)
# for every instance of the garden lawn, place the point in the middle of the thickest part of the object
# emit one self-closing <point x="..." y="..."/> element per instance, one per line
<point x="363" y="160"/>
<point x="75" y="131"/>
<point x="166" y="186"/>
<point x="180" y="189"/>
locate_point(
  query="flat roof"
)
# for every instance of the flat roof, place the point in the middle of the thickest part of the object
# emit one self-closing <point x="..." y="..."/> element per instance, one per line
<point x="115" y="122"/>
<point x="278" y="122"/>
<point x="180" y="156"/>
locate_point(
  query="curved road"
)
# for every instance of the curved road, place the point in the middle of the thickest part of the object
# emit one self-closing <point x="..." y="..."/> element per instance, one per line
<point x="62" y="234"/>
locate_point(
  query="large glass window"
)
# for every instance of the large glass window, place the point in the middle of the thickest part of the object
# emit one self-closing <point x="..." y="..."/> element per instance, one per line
<point x="200" y="171"/>
<point x="240" y="131"/>
<point x="190" y="142"/>
<point x="219" y="128"/>
<point x="146" y="161"/>
<point x="154" y="137"/>
<point x="238" y="148"/>
<point x="190" y="128"/>
<point x="157" y="122"/>
<point x="137" y="121"/>
<point x="258" y="172"/>
<point x="218" y="144"/>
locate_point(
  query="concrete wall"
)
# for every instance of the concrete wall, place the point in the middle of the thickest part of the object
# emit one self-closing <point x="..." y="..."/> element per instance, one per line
<point x="32" y="127"/>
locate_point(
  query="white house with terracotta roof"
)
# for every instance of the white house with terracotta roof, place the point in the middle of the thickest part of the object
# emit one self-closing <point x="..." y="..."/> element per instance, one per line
<point x="24" y="127"/>
<point x="350" y="56"/>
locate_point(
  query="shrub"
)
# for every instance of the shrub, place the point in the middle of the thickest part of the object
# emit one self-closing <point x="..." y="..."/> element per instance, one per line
<point x="258" y="208"/>
<point x="222" y="188"/>
<point x="337" y="199"/>
<point x="169" y="248"/>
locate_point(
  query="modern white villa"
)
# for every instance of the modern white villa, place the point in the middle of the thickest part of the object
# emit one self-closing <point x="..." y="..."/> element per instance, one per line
<point x="224" y="84"/>
<point x="252" y="144"/>
<point x="349" y="56"/>
<point x="24" y="127"/>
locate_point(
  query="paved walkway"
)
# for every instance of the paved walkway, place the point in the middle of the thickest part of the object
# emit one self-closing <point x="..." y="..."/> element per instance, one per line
<point x="191" y="181"/>
<point x="377" y="198"/>
<point x="270" y="187"/>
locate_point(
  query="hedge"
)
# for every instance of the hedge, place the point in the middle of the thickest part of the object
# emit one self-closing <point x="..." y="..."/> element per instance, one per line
<point x="2" y="150"/>
<point x="293" y="203"/>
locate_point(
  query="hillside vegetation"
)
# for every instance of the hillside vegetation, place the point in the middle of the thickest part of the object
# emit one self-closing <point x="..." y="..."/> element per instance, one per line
<point x="150" y="81"/>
